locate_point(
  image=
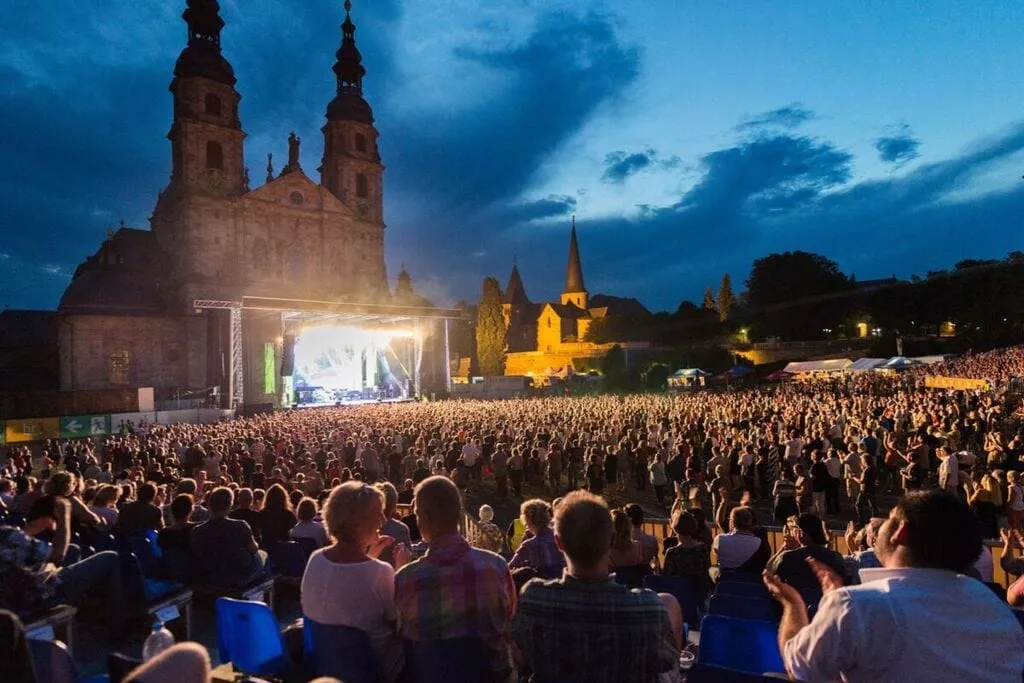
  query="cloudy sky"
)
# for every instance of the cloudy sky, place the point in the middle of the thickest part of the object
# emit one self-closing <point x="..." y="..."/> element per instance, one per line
<point x="688" y="136"/>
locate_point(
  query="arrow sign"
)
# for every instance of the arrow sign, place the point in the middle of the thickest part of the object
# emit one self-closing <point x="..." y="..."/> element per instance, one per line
<point x="74" y="426"/>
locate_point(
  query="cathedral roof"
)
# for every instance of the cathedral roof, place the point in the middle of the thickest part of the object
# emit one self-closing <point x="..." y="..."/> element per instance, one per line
<point x="619" y="306"/>
<point x="119" y="279"/>
<point x="568" y="311"/>
<point x="515" y="292"/>
<point x="574" y="271"/>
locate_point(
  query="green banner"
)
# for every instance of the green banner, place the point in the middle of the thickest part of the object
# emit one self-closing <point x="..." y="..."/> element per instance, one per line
<point x="77" y="426"/>
<point x="3" y="433"/>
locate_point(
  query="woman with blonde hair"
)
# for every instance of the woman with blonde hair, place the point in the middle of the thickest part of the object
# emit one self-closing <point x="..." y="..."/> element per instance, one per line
<point x="538" y="553"/>
<point x="981" y="498"/>
<point x="345" y="584"/>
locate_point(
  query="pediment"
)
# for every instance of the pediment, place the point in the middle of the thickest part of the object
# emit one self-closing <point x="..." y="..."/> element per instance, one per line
<point x="296" y="191"/>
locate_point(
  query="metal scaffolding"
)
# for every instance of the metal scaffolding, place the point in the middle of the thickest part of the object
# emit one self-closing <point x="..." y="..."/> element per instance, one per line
<point x="236" y="362"/>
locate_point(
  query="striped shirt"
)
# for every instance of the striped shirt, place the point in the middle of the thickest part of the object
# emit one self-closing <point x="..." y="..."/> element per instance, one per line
<point x="456" y="591"/>
<point x="569" y="629"/>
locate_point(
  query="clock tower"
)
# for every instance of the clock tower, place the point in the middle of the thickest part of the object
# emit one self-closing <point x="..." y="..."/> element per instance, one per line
<point x="206" y="136"/>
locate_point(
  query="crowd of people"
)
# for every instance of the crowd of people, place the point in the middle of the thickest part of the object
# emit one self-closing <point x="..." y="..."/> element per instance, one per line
<point x="219" y="498"/>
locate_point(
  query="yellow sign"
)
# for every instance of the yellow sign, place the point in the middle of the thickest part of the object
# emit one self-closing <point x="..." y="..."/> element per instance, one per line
<point x="957" y="383"/>
<point x="32" y="429"/>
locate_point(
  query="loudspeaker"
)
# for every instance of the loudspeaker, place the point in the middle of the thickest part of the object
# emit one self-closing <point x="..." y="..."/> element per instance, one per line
<point x="288" y="356"/>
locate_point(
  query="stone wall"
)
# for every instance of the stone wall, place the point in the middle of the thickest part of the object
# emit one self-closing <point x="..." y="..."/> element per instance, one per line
<point x="106" y="352"/>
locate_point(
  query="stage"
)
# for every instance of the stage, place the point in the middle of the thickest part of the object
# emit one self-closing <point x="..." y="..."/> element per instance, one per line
<point x="354" y="402"/>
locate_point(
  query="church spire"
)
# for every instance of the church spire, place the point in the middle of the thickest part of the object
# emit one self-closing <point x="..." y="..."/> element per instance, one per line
<point x="202" y="57"/>
<point x="204" y="22"/>
<point x="349" y="67"/>
<point x="574" y="272"/>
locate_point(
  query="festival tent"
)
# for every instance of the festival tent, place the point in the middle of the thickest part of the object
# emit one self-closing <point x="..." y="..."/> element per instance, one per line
<point x="687" y="377"/>
<point x="865" y="364"/>
<point x="690" y="373"/>
<point x="900" y="363"/>
<point x="833" y="365"/>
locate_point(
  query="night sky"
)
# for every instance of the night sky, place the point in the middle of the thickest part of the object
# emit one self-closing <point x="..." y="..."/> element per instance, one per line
<point x="689" y="137"/>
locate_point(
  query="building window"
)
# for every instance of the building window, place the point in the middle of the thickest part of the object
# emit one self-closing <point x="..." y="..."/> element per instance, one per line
<point x="362" y="188"/>
<point x="120" y="367"/>
<point x="549" y="323"/>
<point x="212" y="105"/>
<point x="360" y="142"/>
<point x="214" y="155"/>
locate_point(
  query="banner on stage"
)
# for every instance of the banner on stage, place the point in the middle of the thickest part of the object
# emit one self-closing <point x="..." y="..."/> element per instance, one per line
<point x="957" y="383"/>
<point x="32" y="429"/>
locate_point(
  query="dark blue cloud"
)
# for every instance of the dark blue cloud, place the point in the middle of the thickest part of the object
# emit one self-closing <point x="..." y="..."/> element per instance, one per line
<point x="619" y="165"/>
<point x="899" y="147"/>
<point x="549" y="207"/>
<point x="790" y="116"/>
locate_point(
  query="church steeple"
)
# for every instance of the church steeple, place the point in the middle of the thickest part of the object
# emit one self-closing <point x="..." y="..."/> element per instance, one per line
<point x="575" y="292"/>
<point x="206" y="136"/>
<point x="349" y="67"/>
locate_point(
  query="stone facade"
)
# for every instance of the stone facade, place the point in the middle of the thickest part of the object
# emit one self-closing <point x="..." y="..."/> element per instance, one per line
<point x="127" y="317"/>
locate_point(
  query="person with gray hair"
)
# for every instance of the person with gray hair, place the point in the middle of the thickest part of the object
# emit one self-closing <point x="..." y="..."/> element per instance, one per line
<point x="346" y="583"/>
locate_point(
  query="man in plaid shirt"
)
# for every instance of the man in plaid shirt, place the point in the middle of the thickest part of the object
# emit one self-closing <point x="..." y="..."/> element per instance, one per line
<point x="454" y="590"/>
<point x="585" y="626"/>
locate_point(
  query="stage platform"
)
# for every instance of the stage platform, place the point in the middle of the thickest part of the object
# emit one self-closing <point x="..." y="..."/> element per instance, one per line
<point x="353" y="402"/>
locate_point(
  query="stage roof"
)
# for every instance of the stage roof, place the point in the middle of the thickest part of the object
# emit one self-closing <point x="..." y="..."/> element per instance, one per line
<point x="337" y="312"/>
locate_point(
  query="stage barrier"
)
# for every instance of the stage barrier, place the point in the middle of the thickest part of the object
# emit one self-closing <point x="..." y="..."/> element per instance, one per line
<point x="957" y="383"/>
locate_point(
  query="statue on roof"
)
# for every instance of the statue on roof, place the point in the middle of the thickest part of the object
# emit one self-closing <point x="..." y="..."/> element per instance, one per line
<point x="293" y="154"/>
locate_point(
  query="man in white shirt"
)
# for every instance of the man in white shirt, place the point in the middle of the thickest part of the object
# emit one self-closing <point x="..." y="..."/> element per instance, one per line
<point x="736" y="548"/>
<point x="917" y="619"/>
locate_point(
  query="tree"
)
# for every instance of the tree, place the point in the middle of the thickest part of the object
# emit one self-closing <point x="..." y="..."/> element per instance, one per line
<point x="791" y="276"/>
<point x="709" y="299"/>
<point x="490" y="330"/>
<point x="725" y="300"/>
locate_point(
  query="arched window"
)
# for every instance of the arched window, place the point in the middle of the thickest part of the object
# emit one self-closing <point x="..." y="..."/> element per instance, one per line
<point x="214" y="155"/>
<point x="212" y="105"/>
<point x="362" y="189"/>
<point x="360" y="142"/>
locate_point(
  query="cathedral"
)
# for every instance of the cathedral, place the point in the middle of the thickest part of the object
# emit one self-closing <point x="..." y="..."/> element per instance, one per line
<point x="551" y="337"/>
<point x="127" y="318"/>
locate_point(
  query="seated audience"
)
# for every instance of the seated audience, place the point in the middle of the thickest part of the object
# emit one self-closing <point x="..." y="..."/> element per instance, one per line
<point x="225" y="547"/>
<point x="625" y="554"/>
<point x="244" y="511"/>
<point x="862" y="551"/>
<point x="276" y="519"/>
<point x="741" y="549"/>
<point x="538" y="553"/>
<point x="586" y="627"/>
<point x="454" y="590"/>
<point x="919" y="618"/>
<point x="648" y="543"/>
<point x="346" y="584"/>
<point x="104" y="505"/>
<point x="143" y="515"/>
<point x="392" y="527"/>
<point x="689" y="557"/>
<point x="806" y="538"/>
<point x="308" y="526"/>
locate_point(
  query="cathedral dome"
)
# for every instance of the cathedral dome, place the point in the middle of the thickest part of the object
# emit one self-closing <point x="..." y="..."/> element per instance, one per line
<point x="349" y="106"/>
<point x="111" y="292"/>
<point x="202" y="61"/>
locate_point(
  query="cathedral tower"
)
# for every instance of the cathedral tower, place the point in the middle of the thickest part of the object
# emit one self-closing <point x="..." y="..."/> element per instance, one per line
<point x="575" y="292"/>
<point x="206" y="136"/>
<point x="351" y="169"/>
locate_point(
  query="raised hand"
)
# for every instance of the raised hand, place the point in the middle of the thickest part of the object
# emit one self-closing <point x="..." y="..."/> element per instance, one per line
<point x="782" y="591"/>
<point x="379" y="546"/>
<point x="826" y="576"/>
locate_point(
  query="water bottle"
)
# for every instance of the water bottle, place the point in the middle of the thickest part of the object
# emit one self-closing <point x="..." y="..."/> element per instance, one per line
<point x="157" y="641"/>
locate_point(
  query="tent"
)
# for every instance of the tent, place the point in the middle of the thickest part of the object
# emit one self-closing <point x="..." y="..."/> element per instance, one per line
<point x="689" y="372"/>
<point x="687" y="377"/>
<point x="779" y="375"/>
<point x="833" y="365"/>
<point x="900" y="363"/>
<point x="865" y="364"/>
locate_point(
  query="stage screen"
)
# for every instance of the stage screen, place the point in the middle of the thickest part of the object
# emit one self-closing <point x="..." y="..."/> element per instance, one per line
<point x="333" y="363"/>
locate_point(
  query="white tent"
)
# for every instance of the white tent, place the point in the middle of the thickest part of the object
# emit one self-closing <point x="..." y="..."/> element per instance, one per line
<point x="833" y="365"/>
<point x="690" y="372"/>
<point x="865" y="364"/>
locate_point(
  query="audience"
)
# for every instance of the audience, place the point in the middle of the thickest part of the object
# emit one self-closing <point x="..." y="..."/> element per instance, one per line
<point x="225" y="547"/>
<point x="308" y="526"/>
<point x="806" y="537"/>
<point x="688" y="558"/>
<point x="538" y="553"/>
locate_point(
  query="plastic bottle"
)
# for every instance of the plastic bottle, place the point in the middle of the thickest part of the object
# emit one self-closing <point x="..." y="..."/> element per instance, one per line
<point x="157" y="641"/>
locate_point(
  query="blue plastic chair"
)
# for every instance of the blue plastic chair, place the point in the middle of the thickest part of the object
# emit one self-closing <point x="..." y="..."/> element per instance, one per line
<point x="748" y="645"/>
<point x="53" y="663"/>
<point x="681" y="588"/>
<point x="142" y="548"/>
<point x="720" y="674"/>
<point x="743" y="608"/>
<point x="448" y="661"/>
<point x="248" y="637"/>
<point x="288" y="558"/>
<point x="742" y="588"/>
<point x="154" y="542"/>
<point x="736" y="576"/>
<point x="341" y="652"/>
<point x="138" y="587"/>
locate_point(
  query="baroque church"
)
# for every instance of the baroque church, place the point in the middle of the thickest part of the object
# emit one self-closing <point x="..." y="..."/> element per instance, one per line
<point x="548" y="338"/>
<point x="127" y="317"/>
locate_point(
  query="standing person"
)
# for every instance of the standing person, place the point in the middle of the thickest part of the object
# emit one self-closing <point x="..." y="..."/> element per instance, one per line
<point x="611" y="468"/>
<point x="784" y="494"/>
<point x="919" y="618"/>
<point x="659" y="480"/>
<point x="454" y="590"/>
<point x="820" y="482"/>
<point x="867" y="485"/>
<point x="1014" y="500"/>
<point x="538" y="553"/>
<point x="835" y="478"/>
<point x="499" y="466"/>
<point x="804" y="489"/>
<point x="595" y="476"/>
<point x="515" y="471"/>
<point x="913" y="473"/>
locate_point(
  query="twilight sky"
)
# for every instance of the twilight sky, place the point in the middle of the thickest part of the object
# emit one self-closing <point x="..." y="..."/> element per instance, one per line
<point x="688" y="136"/>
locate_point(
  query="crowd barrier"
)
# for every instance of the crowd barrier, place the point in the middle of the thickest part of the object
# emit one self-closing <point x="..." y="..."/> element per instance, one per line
<point x="27" y="430"/>
<point x="957" y="383"/>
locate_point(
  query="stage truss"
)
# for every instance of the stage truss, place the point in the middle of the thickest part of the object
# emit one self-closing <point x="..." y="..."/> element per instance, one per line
<point x="299" y="312"/>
